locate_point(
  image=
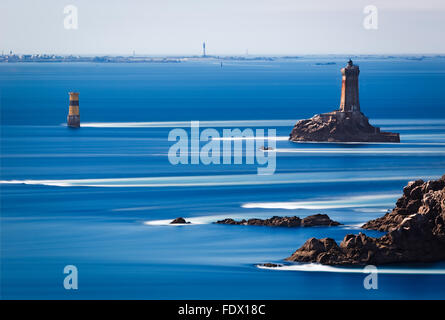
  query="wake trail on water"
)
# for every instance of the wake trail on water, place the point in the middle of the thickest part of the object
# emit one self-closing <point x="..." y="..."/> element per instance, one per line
<point x="349" y="202"/>
<point x="187" y="124"/>
<point x="368" y="151"/>
<point x="415" y="123"/>
<point x="228" y="180"/>
<point x="313" y="267"/>
<point x="193" y="221"/>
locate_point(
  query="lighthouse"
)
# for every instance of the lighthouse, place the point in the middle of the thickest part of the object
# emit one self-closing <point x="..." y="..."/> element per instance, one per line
<point x="347" y="123"/>
<point x="349" y="101"/>
<point x="73" y="119"/>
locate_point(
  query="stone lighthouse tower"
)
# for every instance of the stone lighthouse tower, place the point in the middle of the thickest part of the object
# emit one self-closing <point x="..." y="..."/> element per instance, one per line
<point x="349" y="101"/>
<point x="73" y="119"/>
<point x="346" y="124"/>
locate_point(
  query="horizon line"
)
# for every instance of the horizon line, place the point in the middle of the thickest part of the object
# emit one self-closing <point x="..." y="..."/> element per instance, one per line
<point x="226" y="54"/>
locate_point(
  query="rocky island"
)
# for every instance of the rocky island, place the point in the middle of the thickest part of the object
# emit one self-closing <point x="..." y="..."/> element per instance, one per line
<point x="415" y="233"/>
<point x="179" y="220"/>
<point x="348" y="124"/>
<point x="290" y="222"/>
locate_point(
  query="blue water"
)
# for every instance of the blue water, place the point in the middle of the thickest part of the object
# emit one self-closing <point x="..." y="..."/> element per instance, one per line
<point x="66" y="208"/>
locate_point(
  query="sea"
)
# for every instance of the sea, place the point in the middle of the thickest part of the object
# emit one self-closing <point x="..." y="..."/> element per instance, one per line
<point x="100" y="198"/>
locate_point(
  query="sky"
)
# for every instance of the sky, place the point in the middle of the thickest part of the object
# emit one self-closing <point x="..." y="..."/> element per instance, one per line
<point x="229" y="27"/>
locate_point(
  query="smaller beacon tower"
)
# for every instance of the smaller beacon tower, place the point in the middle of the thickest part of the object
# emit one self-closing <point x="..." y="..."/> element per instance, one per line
<point x="349" y="101"/>
<point x="203" y="49"/>
<point x="73" y="119"/>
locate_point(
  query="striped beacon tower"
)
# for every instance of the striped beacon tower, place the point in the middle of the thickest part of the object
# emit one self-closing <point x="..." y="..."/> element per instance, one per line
<point x="73" y="119"/>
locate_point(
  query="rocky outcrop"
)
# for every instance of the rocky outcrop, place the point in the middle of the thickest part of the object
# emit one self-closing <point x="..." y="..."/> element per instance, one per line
<point x="339" y="126"/>
<point x="416" y="233"/>
<point x="418" y="197"/>
<point x="270" y="265"/>
<point x="290" y="222"/>
<point x="318" y="220"/>
<point x="179" y="220"/>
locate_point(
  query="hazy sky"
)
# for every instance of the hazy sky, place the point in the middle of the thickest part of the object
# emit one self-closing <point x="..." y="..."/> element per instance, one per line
<point x="266" y="27"/>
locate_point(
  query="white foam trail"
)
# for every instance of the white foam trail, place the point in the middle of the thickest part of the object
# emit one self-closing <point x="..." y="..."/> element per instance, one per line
<point x="407" y="121"/>
<point x="424" y="136"/>
<point x="413" y="128"/>
<point x="370" y="143"/>
<point x="370" y="210"/>
<point x="368" y="151"/>
<point x="221" y="180"/>
<point x="350" y="202"/>
<point x="424" y="143"/>
<point x="137" y="208"/>
<point x="252" y="138"/>
<point x="313" y="267"/>
<point x="166" y="222"/>
<point x="354" y="226"/>
<point x="247" y="123"/>
<point x="186" y="124"/>
<point x="193" y="221"/>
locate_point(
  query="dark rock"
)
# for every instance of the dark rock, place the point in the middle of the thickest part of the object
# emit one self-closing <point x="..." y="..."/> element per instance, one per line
<point x="339" y="126"/>
<point x="318" y="220"/>
<point x="316" y="250"/>
<point x="290" y="222"/>
<point x="231" y="221"/>
<point x="416" y="233"/>
<point x="418" y="197"/>
<point x="271" y="265"/>
<point x="179" y="220"/>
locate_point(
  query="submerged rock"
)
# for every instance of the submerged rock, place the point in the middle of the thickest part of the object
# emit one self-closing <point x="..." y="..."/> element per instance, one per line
<point x="416" y="233"/>
<point x="290" y="222"/>
<point x="270" y="265"/>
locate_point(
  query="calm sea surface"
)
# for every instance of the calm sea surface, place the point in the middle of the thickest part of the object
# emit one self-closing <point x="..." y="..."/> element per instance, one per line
<point x="101" y="197"/>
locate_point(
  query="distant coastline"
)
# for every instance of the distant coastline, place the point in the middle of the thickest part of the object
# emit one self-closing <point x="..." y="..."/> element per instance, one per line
<point x="52" y="58"/>
<point x="325" y="63"/>
<point x="26" y="58"/>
